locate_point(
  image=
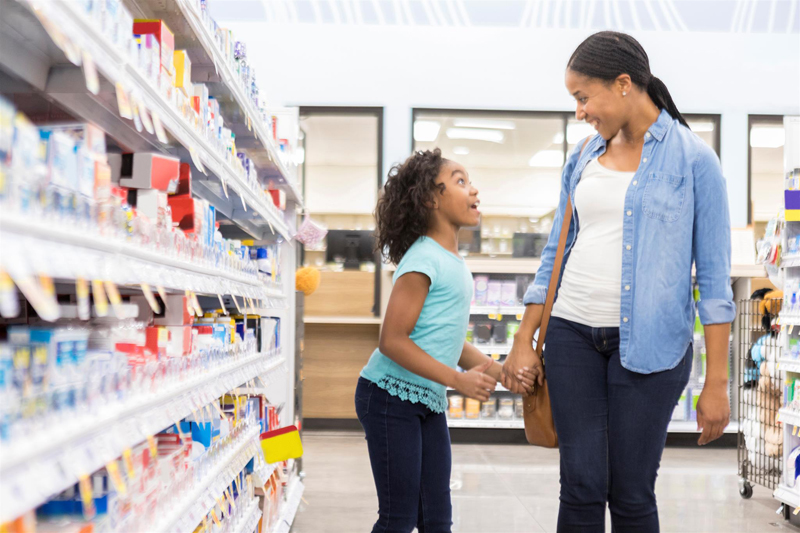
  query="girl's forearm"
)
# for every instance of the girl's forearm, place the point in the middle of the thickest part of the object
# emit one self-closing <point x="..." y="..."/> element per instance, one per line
<point x="472" y="357"/>
<point x="403" y="351"/>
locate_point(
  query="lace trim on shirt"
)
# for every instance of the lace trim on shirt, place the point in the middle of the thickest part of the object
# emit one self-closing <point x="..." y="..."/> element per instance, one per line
<point x="414" y="393"/>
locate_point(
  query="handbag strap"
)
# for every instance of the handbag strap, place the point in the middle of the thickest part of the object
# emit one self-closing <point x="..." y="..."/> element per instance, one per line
<point x="555" y="275"/>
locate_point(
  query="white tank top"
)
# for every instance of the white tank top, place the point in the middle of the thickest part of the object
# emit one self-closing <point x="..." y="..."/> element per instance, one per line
<point x="591" y="289"/>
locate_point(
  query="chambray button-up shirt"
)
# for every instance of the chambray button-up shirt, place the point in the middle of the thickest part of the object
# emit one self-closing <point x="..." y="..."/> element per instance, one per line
<point x="676" y="215"/>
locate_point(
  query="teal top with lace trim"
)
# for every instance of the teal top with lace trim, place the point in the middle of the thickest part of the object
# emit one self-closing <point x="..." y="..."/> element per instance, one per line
<point x="440" y="330"/>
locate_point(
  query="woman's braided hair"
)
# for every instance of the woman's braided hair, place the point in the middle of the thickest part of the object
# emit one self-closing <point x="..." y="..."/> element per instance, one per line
<point x="607" y="54"/>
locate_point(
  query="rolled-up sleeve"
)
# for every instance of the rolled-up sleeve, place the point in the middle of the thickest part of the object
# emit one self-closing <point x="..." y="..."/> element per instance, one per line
<point x="712" y="240"/>
<point x="537" y="291"/>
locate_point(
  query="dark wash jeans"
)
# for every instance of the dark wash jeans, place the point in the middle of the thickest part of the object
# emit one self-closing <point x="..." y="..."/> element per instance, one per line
<point x="409" y="449"/>
<point x="612" y="428"/>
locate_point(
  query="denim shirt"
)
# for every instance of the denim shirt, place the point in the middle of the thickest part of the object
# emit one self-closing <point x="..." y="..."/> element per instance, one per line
<point x="676" y="215"/>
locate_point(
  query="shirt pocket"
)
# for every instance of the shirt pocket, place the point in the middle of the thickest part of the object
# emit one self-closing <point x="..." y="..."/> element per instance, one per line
<point x="664" y="195"/>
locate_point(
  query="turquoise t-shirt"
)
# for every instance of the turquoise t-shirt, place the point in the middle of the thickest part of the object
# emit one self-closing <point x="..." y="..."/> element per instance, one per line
<point x="441" y="329"/>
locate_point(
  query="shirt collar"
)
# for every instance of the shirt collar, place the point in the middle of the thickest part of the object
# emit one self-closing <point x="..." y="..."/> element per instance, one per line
<point x="660" y="126"/>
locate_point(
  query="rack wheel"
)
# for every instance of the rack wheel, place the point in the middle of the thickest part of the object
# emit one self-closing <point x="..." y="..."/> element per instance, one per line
<point x="746" y="490"/>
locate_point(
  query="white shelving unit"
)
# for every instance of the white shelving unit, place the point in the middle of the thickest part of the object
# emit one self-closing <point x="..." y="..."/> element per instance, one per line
<point x="294" y="495"/>
<point x="37" y="39"/>
<point x="789" y="415"/>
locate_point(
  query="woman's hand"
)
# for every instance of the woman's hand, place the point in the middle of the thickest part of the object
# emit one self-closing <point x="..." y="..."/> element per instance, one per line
<point x="474" y="383"/>
<point x="523" y="367"/>
<point x="713" y="412"/>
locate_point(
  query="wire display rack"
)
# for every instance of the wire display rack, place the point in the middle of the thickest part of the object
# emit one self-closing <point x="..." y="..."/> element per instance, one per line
<point x="760" y="439"/>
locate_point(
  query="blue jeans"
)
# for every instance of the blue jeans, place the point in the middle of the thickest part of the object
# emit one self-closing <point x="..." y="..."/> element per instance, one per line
<point x="612" y="427"/>
<point x="409" y="449"/>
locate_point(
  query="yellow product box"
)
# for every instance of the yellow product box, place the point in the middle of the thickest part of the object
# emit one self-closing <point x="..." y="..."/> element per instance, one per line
<point x="281" y="444"/>
<point x="183" y="71"/>
<point x="473" y="409"/>
<point x="456" y="406"/>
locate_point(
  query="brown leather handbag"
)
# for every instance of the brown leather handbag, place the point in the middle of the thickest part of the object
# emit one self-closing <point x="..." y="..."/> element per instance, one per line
<point x="540" y="430"/>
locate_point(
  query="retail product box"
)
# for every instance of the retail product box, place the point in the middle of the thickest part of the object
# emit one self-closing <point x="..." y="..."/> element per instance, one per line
<point x="188" y="213"/>
<point x="183" y="71"/>
<point x="180" y="340"/>
<point x="494" y="293"/>
<point x="481" y="290"/>
<point x="681" y="411"/>
<point x="473" y="410"/>
<point x="162" y="33"/>
<point x="508" y="295"/>
<point x="523" y="282"/>
<point x="175" y="313"/>
<point x="166" y="85"/>
<point x="148" y="202"/>
<point x="150" y="171"/>
<point x="278" y="198"/>
<point x="184" y="181"/>
<point x="156" y="340"/>
<point x="149" y="56"/>
<point x="115" y="165"/>
<point x="499" y="332"/>
<point x="456" y="409"/>
<point x="483" y="332"/>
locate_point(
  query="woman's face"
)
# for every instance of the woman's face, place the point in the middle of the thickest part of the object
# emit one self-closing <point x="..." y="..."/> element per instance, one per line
<point x="458" y="199"/>
<point x="599" y="103"/>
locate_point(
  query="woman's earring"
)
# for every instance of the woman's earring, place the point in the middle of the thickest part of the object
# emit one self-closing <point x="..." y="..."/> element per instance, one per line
<point x="624" y="94"/>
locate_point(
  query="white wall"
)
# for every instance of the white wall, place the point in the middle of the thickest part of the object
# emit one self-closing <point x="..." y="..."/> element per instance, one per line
<point x="339" y="189"/>
<point x="401" y="67"/>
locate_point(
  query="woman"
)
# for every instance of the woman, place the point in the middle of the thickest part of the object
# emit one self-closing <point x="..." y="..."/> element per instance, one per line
<point x="649" y="201"/>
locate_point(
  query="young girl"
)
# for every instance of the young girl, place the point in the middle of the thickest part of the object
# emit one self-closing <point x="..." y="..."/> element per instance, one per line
<point x="401" y="394"/>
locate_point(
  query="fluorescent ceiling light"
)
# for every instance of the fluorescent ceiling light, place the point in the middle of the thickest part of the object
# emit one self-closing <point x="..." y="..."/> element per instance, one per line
<point x="701" y="127"/>
<point x="558" y="138"/>
<point x="461" y="150"/>
<point x="494" y="136"/>
<point x="547" y="159"/>
<point x="426" y="130"/>
<point x="578" y="131"/>
<point x="484" y="123"/>
<point x="767" y="137"/>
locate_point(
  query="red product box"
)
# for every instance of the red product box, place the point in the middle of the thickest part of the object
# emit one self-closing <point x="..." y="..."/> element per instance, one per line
<point x="184" y="181"/>
<point x="278" y="198"/>
<point x="164" y="36"/>
<point x="150" y="171"/>
<point x="176" y="312"/>
<point x="156" y="339"/>
<point x="187" y="212"/>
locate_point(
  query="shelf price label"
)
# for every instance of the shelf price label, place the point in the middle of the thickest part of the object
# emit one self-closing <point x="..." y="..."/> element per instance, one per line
<point x="151" y="442"/>
<point x="116" y="478"/>
<point x="146" y="122"/>
<point x="90" y="74"/>
<point x="100" y="301"/>
<point x="127" y="460"/>
<point x="222" y="304"/>
<point x="9" y="304"/>
<point x="82" y="292"/>
<point x="196" y="160"/>
<point x="150" y="297"/>
<point x="85" y="487"/>
<point x="123" y="102"/>
<point x="160" y="133"/>
<point x="216" y="519"/>
<point x="115" y="299"/>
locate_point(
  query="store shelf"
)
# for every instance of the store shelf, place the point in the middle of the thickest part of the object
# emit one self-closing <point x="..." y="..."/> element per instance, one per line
<point x="479" y="265"/>
<point x="195" y="505"/>
<point x="788" y="417"/>
<point x="250" y="517"/>
<point x="788" y="320"/>
<point x="343" y="320"/>
<point x="490" y="349"/>
<point x="790" y="260"/>
<point x="789" y="365"/>
<point x="276" y="165"/>
<point x="81" y="446"/>
<point x="497" y="310"/>
<point x="63" y="85"/>
<point x="92" y="256"/>
<point x="294" y="495"/>
<point x="787" y="495"/>
<point x="518" y="423"/>
<point x="748" y="271"/>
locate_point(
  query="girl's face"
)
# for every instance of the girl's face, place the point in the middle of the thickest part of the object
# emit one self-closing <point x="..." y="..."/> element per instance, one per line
<point x="457" y="200"/>
<point x="599" y="103"/>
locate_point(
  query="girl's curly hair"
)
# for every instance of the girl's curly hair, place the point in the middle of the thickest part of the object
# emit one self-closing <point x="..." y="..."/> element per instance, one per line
<point x="403" y="211"/>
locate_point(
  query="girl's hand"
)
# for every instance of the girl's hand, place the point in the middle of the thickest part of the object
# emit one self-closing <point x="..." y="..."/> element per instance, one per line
<point x="522" y="361"/>
<point x="713" y="412"/>
<point x="474" y="383"/>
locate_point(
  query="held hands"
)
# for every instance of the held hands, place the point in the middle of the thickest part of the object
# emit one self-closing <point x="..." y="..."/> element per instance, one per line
<point x="474" y="383"/>
<point x="522" y="369"/>
<point x="713" y="412"/>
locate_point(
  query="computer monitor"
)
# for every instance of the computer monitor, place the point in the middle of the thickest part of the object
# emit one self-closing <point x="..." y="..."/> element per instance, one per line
<point x="350" y="247"/>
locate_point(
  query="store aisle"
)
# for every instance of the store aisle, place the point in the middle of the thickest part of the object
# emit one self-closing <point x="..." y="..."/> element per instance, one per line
<point x="508" y="489"/>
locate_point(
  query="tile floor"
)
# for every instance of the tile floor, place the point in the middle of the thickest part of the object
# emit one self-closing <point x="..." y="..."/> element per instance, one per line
<point x="514" y="488"/>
